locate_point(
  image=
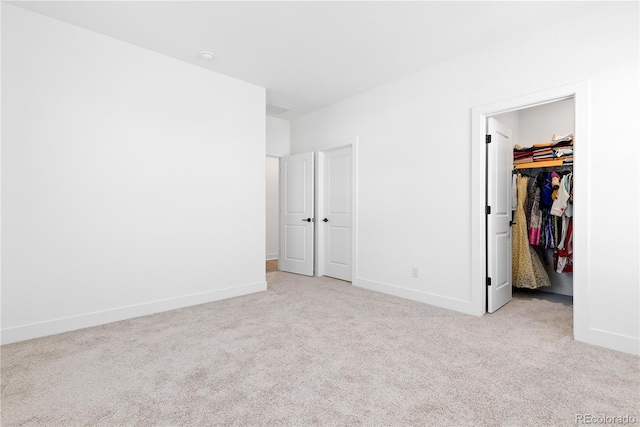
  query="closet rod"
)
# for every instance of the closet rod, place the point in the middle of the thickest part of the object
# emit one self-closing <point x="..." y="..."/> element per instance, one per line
<point x="564" y="168"/>
<point x="543" y="167"/>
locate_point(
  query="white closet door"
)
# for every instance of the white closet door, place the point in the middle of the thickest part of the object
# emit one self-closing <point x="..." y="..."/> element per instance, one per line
<point x="296" y="214"/>
<point x="335" y="225"/>
<point x="499" y="166"/>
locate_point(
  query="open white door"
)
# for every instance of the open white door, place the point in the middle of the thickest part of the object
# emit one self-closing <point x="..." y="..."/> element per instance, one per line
<point x="335" y="226"/>
<point x="296" y="214"/>
<point x="499" y="166"/>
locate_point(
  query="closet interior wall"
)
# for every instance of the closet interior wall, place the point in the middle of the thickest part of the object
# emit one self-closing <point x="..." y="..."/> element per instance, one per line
<point x="534" y="125"/>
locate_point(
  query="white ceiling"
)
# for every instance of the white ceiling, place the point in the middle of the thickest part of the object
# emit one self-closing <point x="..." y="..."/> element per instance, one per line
<point x="308" y="54"/>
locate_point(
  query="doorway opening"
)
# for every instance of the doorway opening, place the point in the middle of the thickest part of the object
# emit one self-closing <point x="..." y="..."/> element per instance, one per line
<point x="272" y="220"/>
<point x="483" y="261"/>
<point x="535" y="195"/>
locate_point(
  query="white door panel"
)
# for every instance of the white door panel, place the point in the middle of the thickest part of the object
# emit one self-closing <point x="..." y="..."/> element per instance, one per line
<point x="295" y="240"/>
<point x="499" y="166"/>
<point x="296" y="214"/>
<point x="336" y="218"/>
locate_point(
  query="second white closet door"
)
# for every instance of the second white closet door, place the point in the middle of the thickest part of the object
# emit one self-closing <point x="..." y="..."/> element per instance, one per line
<point x="335" y="222"/>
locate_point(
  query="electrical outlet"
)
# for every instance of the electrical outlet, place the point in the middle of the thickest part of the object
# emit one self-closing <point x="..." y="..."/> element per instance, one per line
<point x="415" y="272"/>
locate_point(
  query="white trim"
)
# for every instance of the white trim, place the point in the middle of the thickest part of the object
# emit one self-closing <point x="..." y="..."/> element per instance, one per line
<point x="580" y="92"/>
<point x="440" y="301"/>
<point x="276" y="255"/>
<point x="319" y="249"/>
<point x="354" y="209"/>
<point x="560" y="288"/>
<point x="614" y="341"/>
<point x="319" y="192"/>
<point x="71" y="323"/>
<point x="340" y="143"/>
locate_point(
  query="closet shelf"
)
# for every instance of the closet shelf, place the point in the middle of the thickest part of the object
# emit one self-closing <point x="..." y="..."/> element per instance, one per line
<point x="543" y="164"/>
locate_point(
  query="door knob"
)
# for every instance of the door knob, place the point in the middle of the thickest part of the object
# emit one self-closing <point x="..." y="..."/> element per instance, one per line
<point x="325" y="220"/>
<point x="307" y="220"/>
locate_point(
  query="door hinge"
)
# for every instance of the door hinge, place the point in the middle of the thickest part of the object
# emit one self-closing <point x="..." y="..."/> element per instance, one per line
<point x="488" y="281"/>
<point x="487" y="210"/>
<point x="488" y="139"/>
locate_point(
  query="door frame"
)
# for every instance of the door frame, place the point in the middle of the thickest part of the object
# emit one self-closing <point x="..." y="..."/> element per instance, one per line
<point x="319" y="195"/>
<point x="278" y="201"/>
<point x="579" y="91"/>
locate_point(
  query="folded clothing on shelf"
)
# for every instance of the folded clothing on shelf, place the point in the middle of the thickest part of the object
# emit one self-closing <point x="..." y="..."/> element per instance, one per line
<point x="559" y="148"/>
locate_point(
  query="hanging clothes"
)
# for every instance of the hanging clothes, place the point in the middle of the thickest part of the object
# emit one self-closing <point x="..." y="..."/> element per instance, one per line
<point x="562" y="200"/>
<point x="514" y="193"/>
<point x="564" y="257"/>
<point x="544" y="219"/>
<point x="547" y="238"/>
<point x="563" y="209"/>
<point x="527" y="269"/>
<point x="535" y="218"/>
<point x="546" y="199"/>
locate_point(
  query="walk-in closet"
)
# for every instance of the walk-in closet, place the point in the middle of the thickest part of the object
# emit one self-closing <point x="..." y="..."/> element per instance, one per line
<point x="542" y="183"/>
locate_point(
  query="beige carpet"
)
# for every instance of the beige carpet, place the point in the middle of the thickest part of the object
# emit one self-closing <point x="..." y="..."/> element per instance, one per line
<point x="320" y="352"/>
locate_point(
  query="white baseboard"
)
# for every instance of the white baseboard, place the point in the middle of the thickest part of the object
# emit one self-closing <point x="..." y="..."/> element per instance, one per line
<point x="561" y="289"/>
<point x="66" y="324"/>
<point x="271" y="257"/>
<point x="614" y="341"/>
<point x="597" y="337"/>
<point x="414" y="295"/>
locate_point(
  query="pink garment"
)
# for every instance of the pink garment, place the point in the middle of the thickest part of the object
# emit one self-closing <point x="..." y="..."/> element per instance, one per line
<point x="535" y="222"/>
<point x="534" y="236"/>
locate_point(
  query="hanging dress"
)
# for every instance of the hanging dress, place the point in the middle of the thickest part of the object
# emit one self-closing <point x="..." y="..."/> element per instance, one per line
<point x="527" y="269"/>
<point x="535" y="222"/>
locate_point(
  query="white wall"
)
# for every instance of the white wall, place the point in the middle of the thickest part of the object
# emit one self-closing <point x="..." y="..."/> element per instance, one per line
<point x="131" y="182"/>
<point x="539" y="124"/>
<point x="278" y="137"/>
<point x="415" y="155"/>
<point x="273" y="207"/>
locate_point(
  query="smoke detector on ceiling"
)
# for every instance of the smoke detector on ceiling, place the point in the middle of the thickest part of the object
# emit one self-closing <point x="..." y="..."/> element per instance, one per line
<point x="207" y="56"/>
<point x="276" y="109"/>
